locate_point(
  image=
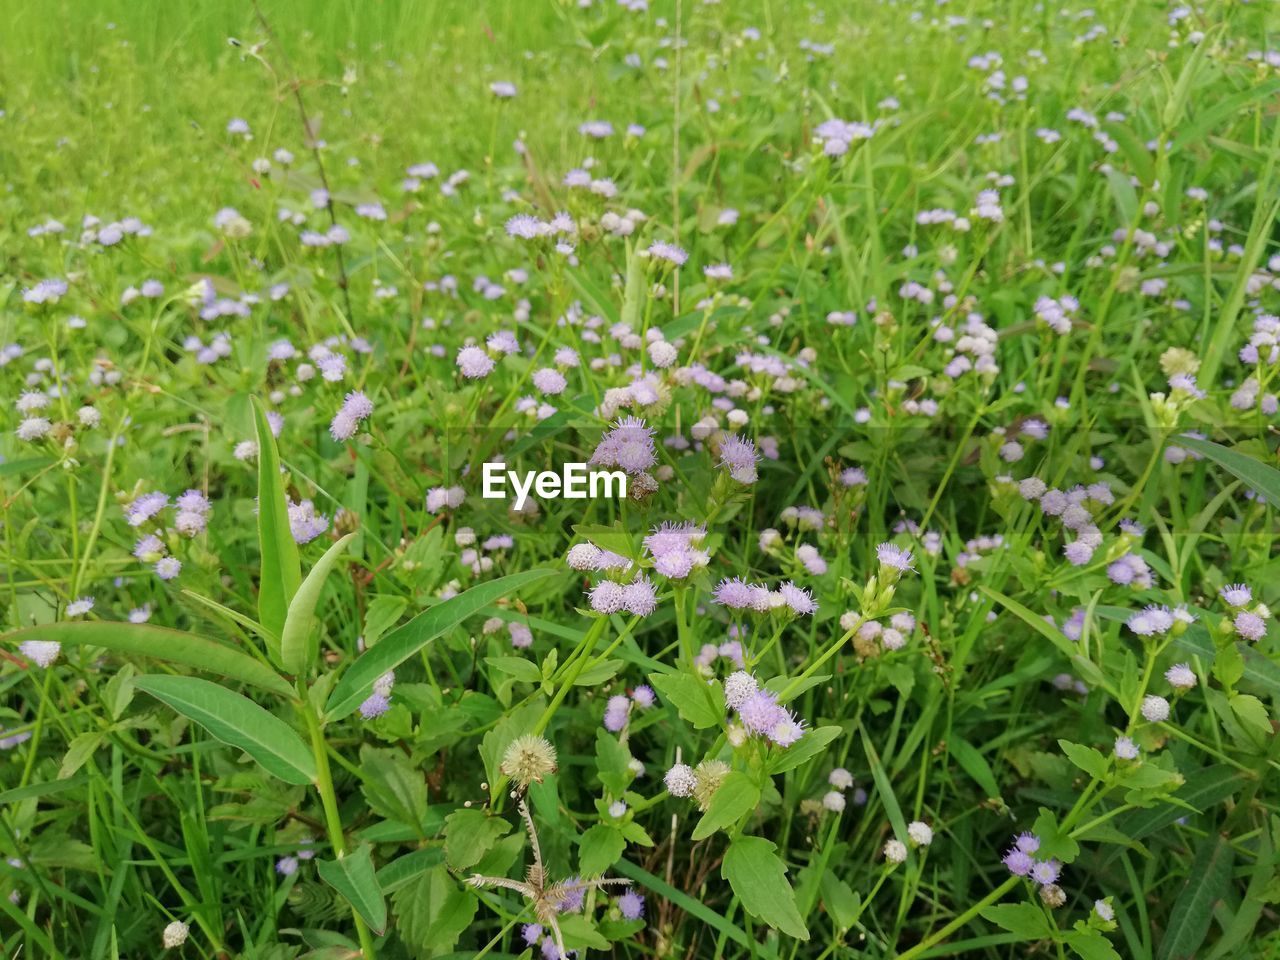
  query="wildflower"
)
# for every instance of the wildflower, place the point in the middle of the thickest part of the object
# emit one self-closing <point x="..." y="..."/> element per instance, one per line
<point x="1155" y="709"/>
<point x="893" y="558"/>
<point x="895" y="851"/>
<point x="80" y="606"/>
<point x="305" y="523"/>
<point x="631" y="905"/>
<point x="168" y="567"/>
<point x="668" y="252"/>
<point x="1250" y="625"/>
<point x="474" y="363"/>
<point x="616" y="712"/>
<point x="709" y="774"/>
<point x="833" y="800"/>
<point x="739" y="457"/>
<point x="1045" y="872"/>
<point x="680" y="781"/>
<point x="1236" y="594"/>
<point x="1180" y="676"/>
<point x="739" y="687"/>
<point x="375" y="705"/>
<point x="643" y="696"/>
<point x="1125" y="749"/>
<point x="175" y="935"/>
<point x="920" y="833"/>
<point x="840" y="778"/>
<point x="40" y="652"/>
<point x="527" y="760"/>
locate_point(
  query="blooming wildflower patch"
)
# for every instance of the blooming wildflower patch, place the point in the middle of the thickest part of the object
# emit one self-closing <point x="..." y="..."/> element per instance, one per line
<point x="629" y="479"/>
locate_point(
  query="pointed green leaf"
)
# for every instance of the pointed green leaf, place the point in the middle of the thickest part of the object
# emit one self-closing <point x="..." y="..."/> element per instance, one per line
<point x="281" y="571"/>
<point x="1262" y="478"/>
<point x="238" y="721"/>
<point x="354" y="878"/>
<point x="403" y="642"/>
<point x="300" y="638"/>
<point x="159" y="643"/>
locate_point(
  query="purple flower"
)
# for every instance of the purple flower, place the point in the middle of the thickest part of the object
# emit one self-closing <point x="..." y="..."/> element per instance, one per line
<point x="739" y="457"/>
<point x="1250" y="625"/>
<point x="574" y="895"/>
<point x="375" y="706"/>
<point x="1236" y="594"/>
<point x="894" y="557"/>
<point x="631" y="905"/>
<point x="474" y="363"/>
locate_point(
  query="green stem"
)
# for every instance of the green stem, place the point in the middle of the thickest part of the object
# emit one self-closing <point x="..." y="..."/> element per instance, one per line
<point x="333" y="820"/>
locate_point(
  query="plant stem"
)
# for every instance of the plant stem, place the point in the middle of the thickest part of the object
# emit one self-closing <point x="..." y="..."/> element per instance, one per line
<point x="333" y="820"/>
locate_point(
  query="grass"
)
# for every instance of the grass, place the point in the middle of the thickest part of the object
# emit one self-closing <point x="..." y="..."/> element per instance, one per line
<point x="1017" y="321"/>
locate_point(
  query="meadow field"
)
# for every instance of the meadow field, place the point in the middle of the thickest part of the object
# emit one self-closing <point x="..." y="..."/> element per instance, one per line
<point x="639" y="478"/>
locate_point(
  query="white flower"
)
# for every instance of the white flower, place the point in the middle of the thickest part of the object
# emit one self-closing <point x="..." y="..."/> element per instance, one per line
<point x="895" y="851"/>
<point x="739" y="687"/>
<point x="175" y="935"/>
<point x="833" y="800"/>
<point x="1155" y="709"/>
<point x="920" y="833"/>
<point x="41" y="652"/>
<point x="680" y="780"/>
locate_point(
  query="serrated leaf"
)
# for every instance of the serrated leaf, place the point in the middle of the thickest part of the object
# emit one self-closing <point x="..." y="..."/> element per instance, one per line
<point x="381" y="615"/>
<point x="736" y="796"/>
<point x="518" y="667"/>
<point x="238" y="721"/>
<point x="1023" y="920"/>
<point x="354" y="878"/>
<point x="697" y="701"/>
<point x="1086" y="758"/>
<point x="468" y="835"/>
<point x="759" y="879"/>
<point x="599" y="849"/>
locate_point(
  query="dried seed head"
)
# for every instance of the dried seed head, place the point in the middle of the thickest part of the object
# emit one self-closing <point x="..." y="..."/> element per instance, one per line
<point x="710" y="774"/>
<point x="528" y="759"/>
<point x="1052" y="895"/>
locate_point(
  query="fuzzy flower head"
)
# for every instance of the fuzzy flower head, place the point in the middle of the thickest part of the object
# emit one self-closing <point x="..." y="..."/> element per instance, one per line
<point x="527" y="760"/>
<point x="739" y="457"/>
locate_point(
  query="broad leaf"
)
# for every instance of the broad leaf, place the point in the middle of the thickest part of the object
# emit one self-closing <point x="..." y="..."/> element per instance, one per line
<point x="353" y="876"/>
<point x="735" y="797"/>
<point x="759" y="879"/>
<point x="403" y="642"/>
<point x="697" y="701"/>
<point x="468" y="835"/>
<point x="160" y="643"/>
<point x="238" y="721"/>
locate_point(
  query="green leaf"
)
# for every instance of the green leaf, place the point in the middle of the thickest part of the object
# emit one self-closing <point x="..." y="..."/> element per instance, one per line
<point x="1090" y="944"/>
<point x="1207" y="882"/>
<point x="697" y="701"/>
<point x="1054" y="841"/>
<point x="803" y="750"/>
<point x="354" y="878"/>
<point x="380" y="616"/>
<point x="468" y="835"/>
<point x="238" y="721"/>
<point x="1253" y="472"/>
<point x="518" y="667"/>
<point x="599" y="849"/>
<point x="403" y="642"/>
<point x="281" y="571"/>
<point x="736" y="796"/>
<point x="394" y="786"/>
<point x="759" y="879"/>
<point x="1086" y="758"/>
<point x="432" y="912"/>
<point x="884" y="789"/>
<point x="975" y="765"/>
<point x="695" y="908"/>
<point x="300" y="636"/>
<point x="1024" y="920"/>
<point x="160" y="643"/>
